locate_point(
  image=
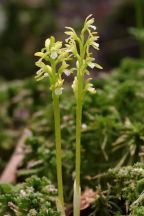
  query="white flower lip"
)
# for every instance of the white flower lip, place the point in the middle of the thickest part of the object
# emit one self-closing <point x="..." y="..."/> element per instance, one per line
<point x="92" y="26"/>
<point x="45" y="74"/>
<point x="91" y="89"/>
<point x="68" y="50"/>
<point x="67" y="72"/>
<point x="95" y="44"/>
<point x="58" y="91"/>
<point x="91" y="65"/>
<point x="38" y="71"/>
<point x="54" y="55"/>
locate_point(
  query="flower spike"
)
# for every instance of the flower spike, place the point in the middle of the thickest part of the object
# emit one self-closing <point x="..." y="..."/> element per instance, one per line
<point x="50" y="56"/>
<point x="84" y="60"/>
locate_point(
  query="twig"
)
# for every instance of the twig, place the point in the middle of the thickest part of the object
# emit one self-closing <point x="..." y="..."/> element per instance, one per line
<point x="9" y="173"/>
<point x="97" y="176"/>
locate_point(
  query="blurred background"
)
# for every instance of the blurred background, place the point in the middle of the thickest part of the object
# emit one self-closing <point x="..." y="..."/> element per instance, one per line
<point x="25" y="24"/>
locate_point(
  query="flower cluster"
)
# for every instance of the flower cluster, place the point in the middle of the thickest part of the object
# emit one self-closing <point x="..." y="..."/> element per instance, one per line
<point x="50" y="56"/>
<point x="53" y="54"/>
<point x="88" y="38"/>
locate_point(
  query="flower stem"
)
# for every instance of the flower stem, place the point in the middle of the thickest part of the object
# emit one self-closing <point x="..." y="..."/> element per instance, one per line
<point x="58" y="147"/>
<point x="78" y="130"/>
<point x="77" y="188"/>
<point x="139" y="16"/>
<point x="139" y="22"/>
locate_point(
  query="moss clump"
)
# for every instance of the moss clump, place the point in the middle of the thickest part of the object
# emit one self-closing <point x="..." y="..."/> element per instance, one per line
<point x="124" y="194"/>
<point x="35" y="197"/>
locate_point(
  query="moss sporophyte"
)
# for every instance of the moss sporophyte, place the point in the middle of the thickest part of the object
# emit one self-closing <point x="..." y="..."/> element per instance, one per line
<point x="54" y="55"/>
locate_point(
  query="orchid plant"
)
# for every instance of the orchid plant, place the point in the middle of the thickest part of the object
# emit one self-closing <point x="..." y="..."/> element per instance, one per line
<point x="80" y="48"/>
<point x="51" y="56"/>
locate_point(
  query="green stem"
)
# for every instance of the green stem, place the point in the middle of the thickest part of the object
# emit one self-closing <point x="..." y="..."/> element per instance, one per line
<point x="58" y="147"/>
<point x="78" y="129"/>
<point x="139" y="22"/>
<point x="79" y="102"/>
<point x="139" y="16"/>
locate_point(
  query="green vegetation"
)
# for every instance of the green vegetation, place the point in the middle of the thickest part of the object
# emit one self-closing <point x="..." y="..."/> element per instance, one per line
<point x="124" y="194"/>
<point x="112" y="129"/>
<point x="112" y="132"/>
<point x="93" y="140"/>
<point x="117" y="107"/>
<point x="35" y="197"/>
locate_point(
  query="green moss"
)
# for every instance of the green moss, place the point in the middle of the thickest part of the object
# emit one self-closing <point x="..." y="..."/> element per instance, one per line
<point x="34" y="197"/>
<point x="124" y="194"/>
